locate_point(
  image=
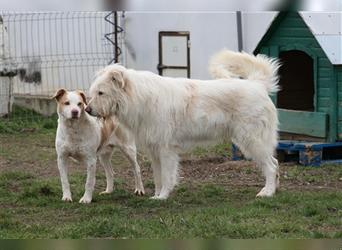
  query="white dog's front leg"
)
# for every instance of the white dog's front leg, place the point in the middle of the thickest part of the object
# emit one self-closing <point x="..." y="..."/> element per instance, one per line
<point x="90" y="183"/>
<point x="169" y="173"/>
<point x="271" y="172"/>
<point x="105" y="162"/>
<point x="156" y="176"/>
<point x="63" y="172"/>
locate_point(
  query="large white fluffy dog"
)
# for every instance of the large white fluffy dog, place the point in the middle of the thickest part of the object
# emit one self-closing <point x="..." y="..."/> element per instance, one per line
<point x="170" y="115"/>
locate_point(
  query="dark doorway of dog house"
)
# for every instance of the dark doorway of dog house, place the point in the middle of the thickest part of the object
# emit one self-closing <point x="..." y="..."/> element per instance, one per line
<point x="296" y="81"/>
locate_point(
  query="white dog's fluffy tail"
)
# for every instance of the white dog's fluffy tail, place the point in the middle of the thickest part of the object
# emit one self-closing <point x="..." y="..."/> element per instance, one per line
<point x="229" y="64"/>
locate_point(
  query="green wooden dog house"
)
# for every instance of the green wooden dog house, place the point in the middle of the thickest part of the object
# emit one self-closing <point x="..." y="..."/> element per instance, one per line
<point x="309" y="48"/>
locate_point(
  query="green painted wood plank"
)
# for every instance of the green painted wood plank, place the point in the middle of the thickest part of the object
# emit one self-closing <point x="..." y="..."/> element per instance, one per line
<point x="301" y="122"/>
<point x="325" y="72"/>
<point x="324" y="62"/>
<point x="323" y="101"/>
<point x="323" y="92"/>
<point x="323" y="110"/>
<point x="339" y="73"/>
<point x="293" y="32"/>
<point x="318" y="50"/>
<point x="297" y="23"/>
<point x="325" y="82"/>
<point x="281" y="40"/>
<point x="265" y="50"/>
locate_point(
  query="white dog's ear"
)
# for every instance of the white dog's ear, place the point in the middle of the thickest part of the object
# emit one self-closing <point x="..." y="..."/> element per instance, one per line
<point x="117" y="78"/>
<point x="59" y="93"/>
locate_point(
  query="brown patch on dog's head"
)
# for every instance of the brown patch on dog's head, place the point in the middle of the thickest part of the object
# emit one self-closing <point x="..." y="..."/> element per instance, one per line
<point x="83" y="96"/>
<point x="61" y="98"/>
<point x="59" y="94"/>
<point x="70" y="104"/>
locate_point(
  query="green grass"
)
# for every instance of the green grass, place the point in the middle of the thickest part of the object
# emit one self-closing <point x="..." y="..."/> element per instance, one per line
<point x="31" y="208"/>
<point x="223" y="150"/>
<point x="22" y="120"/>
<point x="309" y="204"/>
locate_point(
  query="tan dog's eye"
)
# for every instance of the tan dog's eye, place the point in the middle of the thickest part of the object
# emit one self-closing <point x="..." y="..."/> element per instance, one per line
<point x="67" y="103"/>
<point x="100" y="93"/>
<point x="79" y="104"/>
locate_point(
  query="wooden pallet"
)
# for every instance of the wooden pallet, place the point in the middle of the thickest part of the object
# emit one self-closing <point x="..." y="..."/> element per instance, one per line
<point x="304" y="153"/>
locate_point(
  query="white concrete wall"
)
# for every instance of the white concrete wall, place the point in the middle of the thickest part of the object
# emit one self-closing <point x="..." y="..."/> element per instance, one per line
<point x="209" y="33"/>
<point x="254" y="26"/>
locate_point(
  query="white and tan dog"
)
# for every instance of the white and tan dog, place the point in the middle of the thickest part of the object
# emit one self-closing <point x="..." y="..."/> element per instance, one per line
<point x="170" y="115"/>
<point x="87" y="138"/>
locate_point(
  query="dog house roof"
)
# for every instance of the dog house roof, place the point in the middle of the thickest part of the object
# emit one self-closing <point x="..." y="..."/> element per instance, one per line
<point x="327" y="29"/>
<point x="325" y="26"/>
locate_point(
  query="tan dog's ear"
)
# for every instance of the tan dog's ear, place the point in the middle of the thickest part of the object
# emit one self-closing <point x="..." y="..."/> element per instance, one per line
<point x="58" y="95"/>
<point x="117" y="78"/>
<point x="83" y="96"/>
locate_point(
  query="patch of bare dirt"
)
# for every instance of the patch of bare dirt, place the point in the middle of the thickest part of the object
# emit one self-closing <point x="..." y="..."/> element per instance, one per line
<point x="245" y="173"/>
<point x="219" y="170"/>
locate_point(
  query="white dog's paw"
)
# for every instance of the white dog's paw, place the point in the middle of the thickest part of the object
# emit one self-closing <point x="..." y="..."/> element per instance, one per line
<point x="85" y="199"/>
<point x="139" y="192"/>
<point x="158" y="197"/>
<point x="105" y="192"/>
<point x="67" y="199"/>
<point x="278" y="180"/>
<point x="265" y="193"/>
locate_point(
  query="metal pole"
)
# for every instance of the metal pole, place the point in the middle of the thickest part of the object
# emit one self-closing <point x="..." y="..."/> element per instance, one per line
<point x="10" y="92"/>
<point x="116" y="56"/>
<point x="239" y="30"/>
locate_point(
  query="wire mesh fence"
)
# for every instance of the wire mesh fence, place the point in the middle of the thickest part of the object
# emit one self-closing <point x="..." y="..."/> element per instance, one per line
<point x="43" y="51"/>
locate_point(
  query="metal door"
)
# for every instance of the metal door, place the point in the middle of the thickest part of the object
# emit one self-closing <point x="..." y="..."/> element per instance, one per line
<point x="174" y="54"/>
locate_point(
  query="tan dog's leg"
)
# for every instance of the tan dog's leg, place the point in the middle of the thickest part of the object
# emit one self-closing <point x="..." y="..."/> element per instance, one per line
<point x="126" y="143"/>
<point x="105" y="160"/>
<point x="131" y="152"/>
